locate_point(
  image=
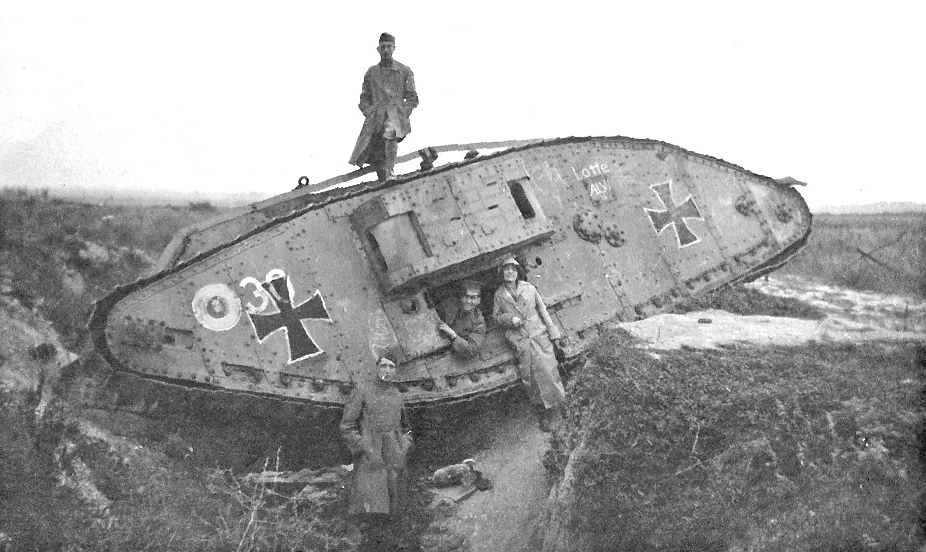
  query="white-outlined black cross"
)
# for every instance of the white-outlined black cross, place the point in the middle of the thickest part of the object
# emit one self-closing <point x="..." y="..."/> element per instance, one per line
<point x="289" y="319"/>
<point x="674" y="214"/>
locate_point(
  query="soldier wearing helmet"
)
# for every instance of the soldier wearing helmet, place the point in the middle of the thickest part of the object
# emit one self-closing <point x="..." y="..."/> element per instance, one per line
<point x="529" y="329"/>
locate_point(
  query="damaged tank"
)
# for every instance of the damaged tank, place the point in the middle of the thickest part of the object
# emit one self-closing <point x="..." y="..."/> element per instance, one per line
<point x="294" y="297"/>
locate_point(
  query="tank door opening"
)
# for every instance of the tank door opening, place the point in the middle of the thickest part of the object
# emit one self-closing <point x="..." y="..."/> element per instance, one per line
<point x="394" y="242"/>
<point x="441" y="293"/>
<point x="398" y="242"/>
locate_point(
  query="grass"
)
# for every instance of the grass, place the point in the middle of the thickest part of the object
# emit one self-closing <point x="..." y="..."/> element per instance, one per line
<point x="885" y="253"/>
<point x="157" y="502"/>
<point x="28" y="483"/>
<point x="813" y="448"/>
<point x="742" y="300"/>
<point x="61" y="256"/>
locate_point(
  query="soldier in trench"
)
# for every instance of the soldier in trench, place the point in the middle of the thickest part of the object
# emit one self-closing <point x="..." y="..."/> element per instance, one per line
<point x="377" y="433"/>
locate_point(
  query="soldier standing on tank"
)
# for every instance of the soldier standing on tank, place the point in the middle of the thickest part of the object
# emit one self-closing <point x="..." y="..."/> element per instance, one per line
<point x="529" y="329"/>
<point x="386" y="100"/>
<point x="462" y="321"/>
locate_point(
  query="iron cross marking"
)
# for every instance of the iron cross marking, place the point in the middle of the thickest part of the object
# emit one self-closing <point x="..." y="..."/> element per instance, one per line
<point x="289" y="319"/>
<point x="674" y="215"/>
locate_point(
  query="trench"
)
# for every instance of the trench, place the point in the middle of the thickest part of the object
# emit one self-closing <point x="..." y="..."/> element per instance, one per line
<point x="504" y="438"/>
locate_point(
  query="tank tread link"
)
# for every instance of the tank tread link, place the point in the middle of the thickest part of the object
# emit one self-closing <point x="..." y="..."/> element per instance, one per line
<point x="297" y="305"/>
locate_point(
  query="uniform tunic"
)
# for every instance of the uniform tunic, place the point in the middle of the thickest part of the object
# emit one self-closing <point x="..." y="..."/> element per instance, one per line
<point x="537" y="364"/>
<point x="388" y="92"/>
<point x="372" y="429"/>
<point x="470" y="328"/>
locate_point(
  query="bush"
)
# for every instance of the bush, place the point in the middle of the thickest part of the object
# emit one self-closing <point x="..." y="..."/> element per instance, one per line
<point x="204" y="206"/>
<point x="42" y="240"/>
<point x="35" y="513"/>
<point x="155" y="502"/>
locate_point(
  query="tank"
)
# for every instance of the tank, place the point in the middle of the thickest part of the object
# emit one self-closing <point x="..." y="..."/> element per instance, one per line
<point x="295" y="297"/>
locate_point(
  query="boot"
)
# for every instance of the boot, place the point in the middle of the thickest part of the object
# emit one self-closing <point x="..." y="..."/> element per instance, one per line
<point x="554" y="417"/>
<point x="544" y="419"/>
<point x="391" y="150"/>
<point x="381" y="173"/>
<point x="354" y="535"/>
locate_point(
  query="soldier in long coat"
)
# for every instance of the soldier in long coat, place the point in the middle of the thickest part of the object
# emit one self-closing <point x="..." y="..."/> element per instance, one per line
<point x="375" y="430"/>
<point x="462" y="321"/>
<point x="386" y="100"/>
<point x="519" y="308"/>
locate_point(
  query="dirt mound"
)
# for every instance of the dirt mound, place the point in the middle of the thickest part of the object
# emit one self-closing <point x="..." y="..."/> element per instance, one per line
<point x="31" y="352"/>
<point x="523" y="512"/>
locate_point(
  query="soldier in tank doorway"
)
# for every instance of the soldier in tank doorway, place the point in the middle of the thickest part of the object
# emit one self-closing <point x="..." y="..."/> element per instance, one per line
<point x="462" y="321"/>
<point x="386" y="100"/>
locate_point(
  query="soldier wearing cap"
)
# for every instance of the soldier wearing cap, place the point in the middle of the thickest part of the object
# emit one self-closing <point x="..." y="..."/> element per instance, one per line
<point x="376" y="431"/>
<point x="387" y="99"/>
<point x="462" y="322"/>
<point x="529" y="329"/>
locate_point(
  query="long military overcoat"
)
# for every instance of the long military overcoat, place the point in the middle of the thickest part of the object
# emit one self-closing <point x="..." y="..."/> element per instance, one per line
<point x="373" y="427"/>
<point x="387" y="92"/>
<point x="537" y="364"/>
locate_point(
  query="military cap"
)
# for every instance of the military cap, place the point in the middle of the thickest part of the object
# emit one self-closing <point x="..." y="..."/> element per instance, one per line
<point x="466" y="286"/>
<point x="509" y="259"/>
<point x="386" y="37"/>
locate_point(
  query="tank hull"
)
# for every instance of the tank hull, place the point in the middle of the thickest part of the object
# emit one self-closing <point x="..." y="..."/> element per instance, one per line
<point x="298" y="305"/>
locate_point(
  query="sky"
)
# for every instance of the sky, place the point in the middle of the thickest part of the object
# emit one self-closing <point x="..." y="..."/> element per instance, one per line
<point x="247" y="97"/>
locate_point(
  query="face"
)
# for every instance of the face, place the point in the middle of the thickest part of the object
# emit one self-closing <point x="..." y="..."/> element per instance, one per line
<point x="385" y="50"/>
<point x="386" y="370"/>
<point x="470" y="300"/>
<point x="510" y="273"/>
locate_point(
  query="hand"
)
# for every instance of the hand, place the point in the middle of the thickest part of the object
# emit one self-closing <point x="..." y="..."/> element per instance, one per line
<point x="516" y="321"/>
<point x="447" y="330"/>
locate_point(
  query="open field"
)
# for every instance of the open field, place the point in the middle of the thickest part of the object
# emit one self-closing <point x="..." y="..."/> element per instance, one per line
<point x="60" y="256"/>
<point x="812" y="446"/>
<point x="884" y="252"/>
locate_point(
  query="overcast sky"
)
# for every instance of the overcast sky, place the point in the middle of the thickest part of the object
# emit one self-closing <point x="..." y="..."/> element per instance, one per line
<point x="226" y="96"/>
